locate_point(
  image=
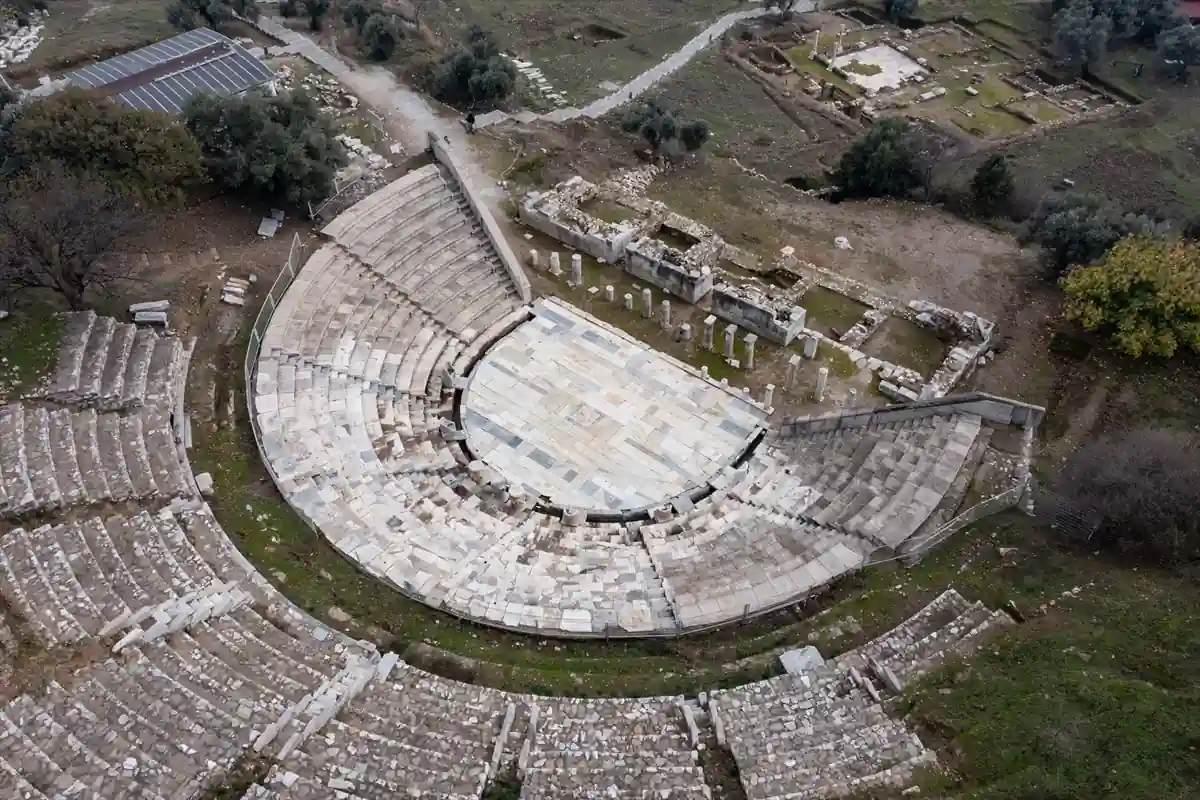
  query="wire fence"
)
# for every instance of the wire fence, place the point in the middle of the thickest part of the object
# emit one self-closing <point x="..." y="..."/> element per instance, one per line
<point x="258" y="332"/>
<point x="338" y="190"/>
<point x="993" y="505"/>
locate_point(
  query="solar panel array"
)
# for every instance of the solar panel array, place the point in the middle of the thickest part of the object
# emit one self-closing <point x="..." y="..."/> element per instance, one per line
<point x="229" y="70"/>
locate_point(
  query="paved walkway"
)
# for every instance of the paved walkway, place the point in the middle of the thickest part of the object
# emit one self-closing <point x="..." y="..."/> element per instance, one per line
<point x="379" y="88"/>
<point x="409" y="115"/>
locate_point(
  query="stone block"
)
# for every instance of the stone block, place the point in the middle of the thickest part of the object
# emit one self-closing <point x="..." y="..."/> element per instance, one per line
<point x="802" y="660"/>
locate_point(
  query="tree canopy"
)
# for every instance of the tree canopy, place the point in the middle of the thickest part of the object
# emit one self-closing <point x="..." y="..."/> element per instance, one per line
<point x="992" y="183"/>
<point x="1145" y="484"/>
<point x="356" y="13"/>
<point x="474" y="76"/>
<point x="1078" y="228"/>
<point x="1145" y="291"/>
<point x="1180" y="48"/>
<point x="380" y="34"/>
<point x="663" y="130"/>
<point x="880" y="163"/>
<point x="316" y="10"/>
<point x="1083" y="30"/>
<point x="279" y="148"/>
<point x="190" y="14"/>
<point x="142" y="154"/>
<point x="59" y="231"/>
<point x="899" y="9"/>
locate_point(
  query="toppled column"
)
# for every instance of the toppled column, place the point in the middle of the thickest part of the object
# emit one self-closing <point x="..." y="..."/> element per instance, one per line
<point x="710" y="322"/>
<point x="647" y="303"/>
<point x="822" y="380"/>
<point x="534" y="259"/>
<point x="665" y="314"/>
<point x="628" y="302"/>
<point x="609" y="293"/>
<point x="576" y="270"/>
<point x="555" y="265"/>
<point x="789" y="381"/>
<point x="750" y="340"/>
<point x="730" y="339"/>
<point x="810" y="347"/>
<point x="769" y="396"/>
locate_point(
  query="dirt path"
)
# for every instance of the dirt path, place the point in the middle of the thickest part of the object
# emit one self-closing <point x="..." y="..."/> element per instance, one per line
<point x="408" y="114"/>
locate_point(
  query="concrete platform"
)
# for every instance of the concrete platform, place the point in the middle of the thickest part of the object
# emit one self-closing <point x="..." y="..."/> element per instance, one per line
<point x="587" y="417"/>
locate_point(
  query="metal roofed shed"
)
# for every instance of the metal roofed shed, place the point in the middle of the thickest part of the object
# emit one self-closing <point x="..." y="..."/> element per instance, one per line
<point x="166" y="75"/>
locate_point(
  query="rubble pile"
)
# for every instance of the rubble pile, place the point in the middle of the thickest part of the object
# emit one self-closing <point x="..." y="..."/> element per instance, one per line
<point x="17" y="41"/>
<point x="328" y="92"/>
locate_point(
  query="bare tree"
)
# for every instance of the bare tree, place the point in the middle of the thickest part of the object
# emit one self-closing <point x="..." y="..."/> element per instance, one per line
<point x="59" y="232"/>
<point x="1146" y="484"/>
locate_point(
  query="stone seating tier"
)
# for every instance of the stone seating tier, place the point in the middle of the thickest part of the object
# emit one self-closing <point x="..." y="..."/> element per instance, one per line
<point x="948" y="626"/>
<point x="881" y="481"/>
<point x="56" y="458"/>
<point x="615" y="748"/>
<point x="112" y="365"/>
<point x="168" y="719"/>
<point x="369" y="470"/>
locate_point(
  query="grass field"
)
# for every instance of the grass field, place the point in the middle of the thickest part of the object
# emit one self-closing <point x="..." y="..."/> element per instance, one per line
<point x="28" y="344"/>
<point x="1099" y="697"/>
<point x="581" y="47"/>
<point x="746" y="123"/>
<point x="1145" y="158"/>
<point x="82" y="29"/>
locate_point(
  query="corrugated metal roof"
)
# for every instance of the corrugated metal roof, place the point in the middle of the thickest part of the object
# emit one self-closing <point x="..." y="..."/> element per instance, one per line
<point x="167" y="74"/>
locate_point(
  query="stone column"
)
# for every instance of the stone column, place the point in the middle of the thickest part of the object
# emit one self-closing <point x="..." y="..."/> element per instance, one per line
<point x="730" y="338"/>
<point x="592" y="292"/>
<point x="555" y="265"/>
<point x="810" y="346"/>
<point x="769" y="396"/>
<point x="704" y="371"/>
<point x="665" y="314"/>
<point x="609" y="293"/>
<point x="852" y="398"/>
<point x="628" y="302"/>
<point x="751" y="340"/>
<point x="576" y="270"/>
<point x="647" y="303"/>
<point x="793" y="367"/>
<point x="822" y="380"/>
<point x="710" y="322"/>
<point x="685" y="332"/>
<point x="928" y="391"/>
<point x="534" y="259"/>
